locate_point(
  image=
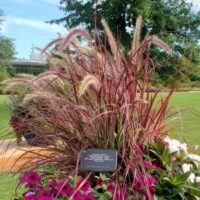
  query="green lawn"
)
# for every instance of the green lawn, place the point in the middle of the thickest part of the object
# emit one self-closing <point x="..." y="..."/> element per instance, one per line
<point x="4" y="116"/>
<point x="187" y="123"/>
<point x="187" y="102"/>
<point x="8" y="185"/>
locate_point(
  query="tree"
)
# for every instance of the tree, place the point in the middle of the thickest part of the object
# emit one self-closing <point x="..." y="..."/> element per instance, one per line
<point x="7" y="52"/>
<point x="7" y="49"/>
<point x="1" y="17"/>
<point x="173" y="20"/>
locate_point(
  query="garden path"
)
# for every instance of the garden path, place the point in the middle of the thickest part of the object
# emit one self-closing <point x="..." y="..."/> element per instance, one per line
<point x="11" y="154"/>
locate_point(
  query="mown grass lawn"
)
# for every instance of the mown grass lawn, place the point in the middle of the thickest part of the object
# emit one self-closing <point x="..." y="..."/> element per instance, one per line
<point x="8" y="183"/>
<point x="4" y="116"/>
<point x="185" y="126"/>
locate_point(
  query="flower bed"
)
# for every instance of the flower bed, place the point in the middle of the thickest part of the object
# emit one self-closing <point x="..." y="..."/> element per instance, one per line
<point x="171" y="172"/>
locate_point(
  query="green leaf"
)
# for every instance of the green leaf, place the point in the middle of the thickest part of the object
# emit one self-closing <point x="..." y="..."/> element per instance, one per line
<point x="193" y="190"/>
<point x="158" y="197"/>
<point x="166" y="157"/>
<point x="179" y="180"/>
<point x="109" y="194"/>
<point x="98" y="187"/>
<point x="162" y="153"/>
<point x="104" y="177"/>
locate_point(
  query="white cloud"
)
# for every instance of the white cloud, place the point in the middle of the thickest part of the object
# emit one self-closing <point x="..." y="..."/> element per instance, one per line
<point x="37" y="2"/>
<point x="196" y="3"/>
<point x="4" y="27"/>
<point x="38" y="24"/>
<point x="54" y="2"/>
<point x="27" y="2"/>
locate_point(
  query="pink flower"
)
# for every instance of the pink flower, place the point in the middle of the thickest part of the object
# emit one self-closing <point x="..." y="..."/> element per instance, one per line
<point x="111" y="187"/>
<point x="85" y="187"/>
<point x="53" y="182"/>
<point x="158" y="163"/>
<point x="64" y="188"/>
<point x="32" y="178"/>
<point x="152" y="189"/>
<point x="77" y="196"/>
<point x="54" y="192"/>
<point x="45" y="198"/>
<point x="99" y="181"/>
<point x="45" y="195"/>
<point x="22" y="179"/>
<point x="148" y="164"/>
<point x="87" y="197"/>
<point x="30" y="196"/>
<point x="151" y="180"/>
<point x="137" y="187"/>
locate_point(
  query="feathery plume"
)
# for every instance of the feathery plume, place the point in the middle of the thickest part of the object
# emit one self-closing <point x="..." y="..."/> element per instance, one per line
<point x="136" y="37"/>
<point x="155" y="40"/>
<point x="73" y="33"/>
<point x="12" y="87"/>
<point x="87" y="81"/>
<point x="47" y="96"/>
<point x="25" y="76"/>
<point x="110" y="36"/>
<point x="56" y="41"/>
<point x="64" y="56"/>
<point x="14" y="80"/>
<point x="44" y="75"/>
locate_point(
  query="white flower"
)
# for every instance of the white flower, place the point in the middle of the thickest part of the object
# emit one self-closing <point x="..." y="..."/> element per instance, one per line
<point x="194" y="157"/>
<point x="184" y="147"/>
<point x="186" y="167"/>
<point x="173" y="149"/>
<point x="191" y="178"/>
<point x="167" y="139"/>
<point x="197" y="179"/>
<point x="175" y="145"/>
<point x="194" y="148"/>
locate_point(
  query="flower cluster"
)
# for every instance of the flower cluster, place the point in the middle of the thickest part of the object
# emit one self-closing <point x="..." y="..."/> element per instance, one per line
<point x="176" y="169"/>
<point x="49" y="188"/>
<point x="189" y="160"/>
<point x="175" y="146"/>
<point x="167" y="172"/>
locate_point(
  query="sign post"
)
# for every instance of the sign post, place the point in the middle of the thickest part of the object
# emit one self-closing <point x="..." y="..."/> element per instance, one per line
<point x="99" y="160"/>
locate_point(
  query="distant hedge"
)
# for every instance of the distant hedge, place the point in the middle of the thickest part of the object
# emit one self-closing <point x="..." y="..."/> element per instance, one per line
<point x="29" y="70"/>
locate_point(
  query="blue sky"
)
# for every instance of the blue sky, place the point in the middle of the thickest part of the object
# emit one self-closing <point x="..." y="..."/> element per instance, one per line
<point x="25" y="23"/>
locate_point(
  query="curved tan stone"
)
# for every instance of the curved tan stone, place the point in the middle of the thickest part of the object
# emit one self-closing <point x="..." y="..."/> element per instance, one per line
<point x="14" y="157"/>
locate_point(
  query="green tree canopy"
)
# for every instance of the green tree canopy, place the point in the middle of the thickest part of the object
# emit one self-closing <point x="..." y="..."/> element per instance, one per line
<point x="174" y="21"/>
<point x="1" y="18"/>
<point x="175" y="18"/>
<point x="7" y="50"/>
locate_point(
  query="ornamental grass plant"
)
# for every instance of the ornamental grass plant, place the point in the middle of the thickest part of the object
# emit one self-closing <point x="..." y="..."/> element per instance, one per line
<point x="95" y="96"/>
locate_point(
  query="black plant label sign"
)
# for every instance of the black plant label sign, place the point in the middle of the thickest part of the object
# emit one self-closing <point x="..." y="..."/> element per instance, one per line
<point x="98" y="160"/>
